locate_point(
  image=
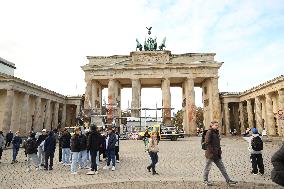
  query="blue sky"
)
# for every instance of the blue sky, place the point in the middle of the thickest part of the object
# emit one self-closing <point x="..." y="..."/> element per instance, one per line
<point x="49" y="40"/>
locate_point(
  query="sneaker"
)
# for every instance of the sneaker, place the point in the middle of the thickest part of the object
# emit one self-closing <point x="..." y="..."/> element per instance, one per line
<point x="231" y="182"/>
<point x="207" y="183"/>
<point x="117" y="161"/>
<point x="91" y="173"/>
<point x="155" y="173"/>
<point x="149" y="169"/>
<point x="97" y="167"/>
<point x="106" y="167"/>
<point x="37" y="169"/>
<point x="74" y="173"/>
<point x="96" y="172"/>
<point x="113" y="168"/>
<point x="254" y="174"/>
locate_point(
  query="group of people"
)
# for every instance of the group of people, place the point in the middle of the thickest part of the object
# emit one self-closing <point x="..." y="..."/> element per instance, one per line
<point x="91" y="144"/>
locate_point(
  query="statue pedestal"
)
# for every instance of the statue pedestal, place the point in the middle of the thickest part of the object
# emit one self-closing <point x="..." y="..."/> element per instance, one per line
<point x="162" y="57"/>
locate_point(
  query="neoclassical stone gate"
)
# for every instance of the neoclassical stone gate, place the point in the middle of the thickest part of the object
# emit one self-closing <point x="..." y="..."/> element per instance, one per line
<point x="155" y="69"/>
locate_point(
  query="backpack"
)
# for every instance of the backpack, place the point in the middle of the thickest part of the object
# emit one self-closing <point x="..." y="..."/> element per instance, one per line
<point x="203" y="144"/>
<point x="31" y="146"/>
<point x="257" y="144"/>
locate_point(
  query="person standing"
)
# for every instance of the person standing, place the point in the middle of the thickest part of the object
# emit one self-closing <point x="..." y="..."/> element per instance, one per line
<point x="95" y="140"/>
<point x="31" y="150"/>
<point x="153" y="150"/>
<point x="17" y="141"/>
<point x="49" y="149"/>
<point x="117" y="146"/>
<point x="110" y="149"/>
<point x="65" y="142"/>
<point x="213" y="154"/>
<point x="75" y="150"/>
<point x="83" y="150"/>
<point x="2" y="144"/>
<point x="40" y="148"/>
<point x="9" y="138"/>
<point x="255" y="147"/>
<point x="277" y="160"/>
<point x="146" y="138"/>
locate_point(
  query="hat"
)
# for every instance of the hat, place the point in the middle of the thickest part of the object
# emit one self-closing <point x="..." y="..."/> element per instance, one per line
<point x="254" y="130"/>
<point x="44" y="130"/>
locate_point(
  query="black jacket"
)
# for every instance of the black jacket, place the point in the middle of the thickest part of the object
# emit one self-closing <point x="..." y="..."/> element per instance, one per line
<point x="95" y="140"/>
<point x="75" y="143"/>
<point x="111" y="141"/>
<point x="31" y="146"/>
<point x="277" y="160"/>
<point x="40" y="139"/>
<point x="83" y="142"/>
<point x="212" y="140"/>
<point x="9" y="136"/>
<point x="50" y="143"/>
<point x="17" y="141"/>
<point x="65" y="140"/>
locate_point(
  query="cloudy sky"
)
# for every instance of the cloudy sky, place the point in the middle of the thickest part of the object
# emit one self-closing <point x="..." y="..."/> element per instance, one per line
<point x="49" y="40"/>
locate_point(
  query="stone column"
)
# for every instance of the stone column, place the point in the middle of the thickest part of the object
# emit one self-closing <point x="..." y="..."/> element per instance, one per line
<point x="37" y="125"/>
<point x="77" y="110"/>
<point x="136" y="98"/>
<point x="227" y="118"/>
<point x="216" y="105"/>
<point x="189" y="123"/>
<point x="258" y="118"/>
<point x="242" y="121"/>
<point x="88" y="95"/>
<point x="47" y="115"/>
<point x="166" y="97"/>
<point x="250" y="113"/>
<point x="96" y="97"/>
<point x="55" y="117"/>
<point x="8" y="111"/>
<point x="270" y="126"/>
<point x="111" y="100"/>
<point x="281" y="111"/>
<point x="63" y="117"/>
<point x="24" y="116"/>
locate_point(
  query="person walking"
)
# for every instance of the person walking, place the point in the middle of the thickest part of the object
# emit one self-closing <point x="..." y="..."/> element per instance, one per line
<point x="213" y="154"/>
<point x="9" y="138"/>
<point x="277" y="160"/>
<point x="31" y="150"/>
<point x="40" y="148"/>
<point x="2" y="144"/>
<point x="110" y="149"/>
<point x="95" y="140"/>
<point x="65" y="143"/>
<point x="146" y="138"/>
<point x="75" y="150"/>
<point x="255" y="148"/>
<point x="153" y="150"/>
<point x="49" y="149"/>
<point x="17" y="141"/>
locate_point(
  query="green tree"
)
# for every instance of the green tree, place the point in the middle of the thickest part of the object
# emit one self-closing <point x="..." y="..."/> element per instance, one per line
<point x="199" y="117"/>
<point x="178" y="119"/>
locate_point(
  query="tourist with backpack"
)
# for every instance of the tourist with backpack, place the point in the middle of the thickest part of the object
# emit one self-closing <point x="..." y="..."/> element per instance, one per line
<point x="213" y="154"/>
<point x="255" y="147"/>
<point x="31" y="150"/>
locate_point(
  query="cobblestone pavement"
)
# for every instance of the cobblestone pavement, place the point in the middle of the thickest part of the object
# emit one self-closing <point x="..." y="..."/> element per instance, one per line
<point x="181" y="165"/>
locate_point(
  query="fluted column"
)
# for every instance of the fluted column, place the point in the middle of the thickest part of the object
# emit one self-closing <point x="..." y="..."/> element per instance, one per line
<point x="189" y="121"/>
<point x="250" y="113"/>
<point x="111" y="100"/>
<point x="136" y="98"/>
<point x="270" y="126"/>
<point x="8" y="111"/>
<point x="96" y="97"/>
<point x="37" y="126"/>
<point x="77" y="110"/>
<point x="281" y="112"/>
<point x="227" y="118"/>
<point x="258" y="118"/>
<point x="47" y="115"/>
<point x="24" y="116"/>
<point x="63" y="117"/>
<point x="242" y="121"/>
<point x="166" y="96"/>
<point x="216" y="106"/>
<point x="55" y="117"/>
<point x="88" y="95"/>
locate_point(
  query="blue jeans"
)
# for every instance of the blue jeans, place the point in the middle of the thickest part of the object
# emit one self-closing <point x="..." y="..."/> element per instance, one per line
<point x="154" y="160"/>
<point x="110" y="156"/>
<point x="66" y="155"/>
<point x="75" y="160"/>
<point x="83" y="158"/>
<point x="15" y="153"/>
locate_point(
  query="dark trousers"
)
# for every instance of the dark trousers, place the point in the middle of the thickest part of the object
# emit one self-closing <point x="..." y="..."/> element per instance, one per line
<point x="257" y="163"/>
<point x="48" y="155"/>
<point x="154" y="161"/>
<point x="8" y="142"/>
<point x="60" y="153"/>
<point x="110" y="156"/>
<point x="93" y="160"/>
<point x="1" y="150"/>
<point x="117" y="153"/>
